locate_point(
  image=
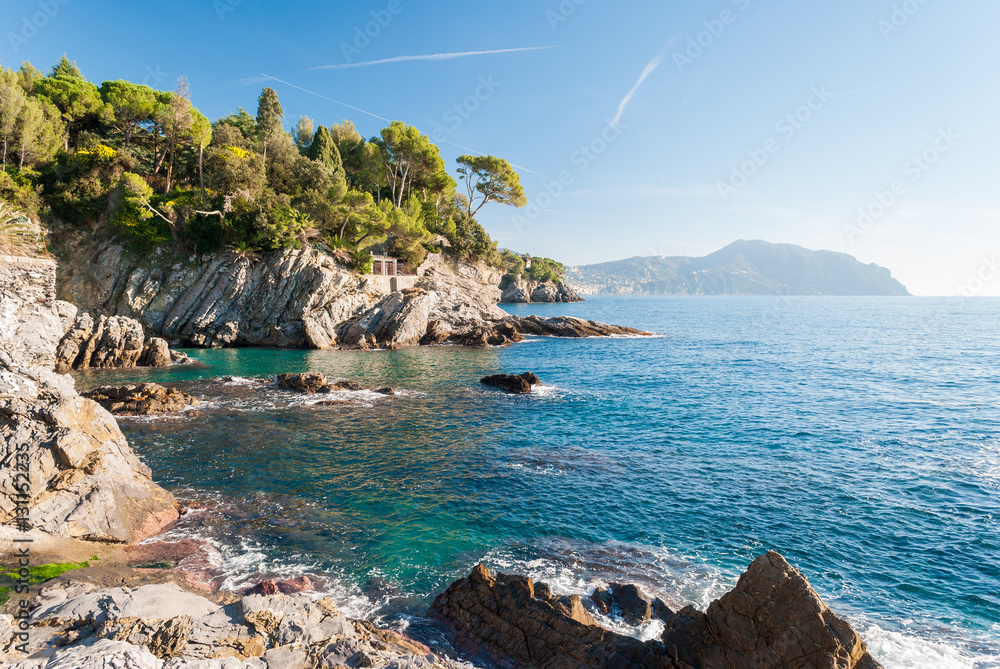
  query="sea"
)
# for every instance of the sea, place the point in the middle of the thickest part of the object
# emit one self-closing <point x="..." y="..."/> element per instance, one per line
<point x="859" y="437"/>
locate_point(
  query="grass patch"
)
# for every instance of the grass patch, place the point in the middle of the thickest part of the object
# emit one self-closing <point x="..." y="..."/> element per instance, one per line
<point x="37" y="574"/>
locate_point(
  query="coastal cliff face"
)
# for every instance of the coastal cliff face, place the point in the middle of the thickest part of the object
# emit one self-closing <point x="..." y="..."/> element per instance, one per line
<point x="289" y="299"/>
<point x="65" y="462"/>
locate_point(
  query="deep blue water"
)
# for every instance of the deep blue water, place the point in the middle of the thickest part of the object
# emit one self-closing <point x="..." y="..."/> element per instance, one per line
<point x="857" y="436"/>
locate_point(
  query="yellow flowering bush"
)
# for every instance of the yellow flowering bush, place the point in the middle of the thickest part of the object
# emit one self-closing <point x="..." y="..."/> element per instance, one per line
<point x="238" y="152"/>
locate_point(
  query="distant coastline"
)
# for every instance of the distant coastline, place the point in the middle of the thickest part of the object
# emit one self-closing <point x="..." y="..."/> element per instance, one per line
<point x="742" y="268"/>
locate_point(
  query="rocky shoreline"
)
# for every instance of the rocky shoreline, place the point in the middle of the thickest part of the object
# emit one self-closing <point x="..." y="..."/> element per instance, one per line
<point x="302" y="299"/>
<point x="73" y="490"/>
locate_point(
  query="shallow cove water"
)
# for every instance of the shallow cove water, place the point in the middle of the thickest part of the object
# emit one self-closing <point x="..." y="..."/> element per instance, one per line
<point x="857" y="436"/>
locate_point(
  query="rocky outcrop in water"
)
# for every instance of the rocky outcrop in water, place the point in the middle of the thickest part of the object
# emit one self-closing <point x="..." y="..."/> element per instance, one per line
<point x="161" y="626"/>
<point x="519" y="290"/>
<point x="773" y="619"/>
<point x="141" y="399"/>
<point x="108" y="342"/>
<point x="516" y="384"/>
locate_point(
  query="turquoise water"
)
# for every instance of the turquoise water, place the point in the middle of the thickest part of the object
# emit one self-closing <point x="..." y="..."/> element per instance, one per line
<point x="856" y="436"/>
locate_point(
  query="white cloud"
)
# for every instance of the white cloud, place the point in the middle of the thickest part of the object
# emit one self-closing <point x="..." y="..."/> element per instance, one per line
<point x="432" y="56"/>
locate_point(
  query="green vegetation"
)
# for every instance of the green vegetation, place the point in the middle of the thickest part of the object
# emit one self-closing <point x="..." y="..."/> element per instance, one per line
<point x="517" y="266"/>
<point x="37" y="574"/>
<point x="145" y="166"/>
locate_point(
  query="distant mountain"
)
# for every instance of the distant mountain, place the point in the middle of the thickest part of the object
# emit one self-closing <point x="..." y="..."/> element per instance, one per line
<point x="742" y="268"/>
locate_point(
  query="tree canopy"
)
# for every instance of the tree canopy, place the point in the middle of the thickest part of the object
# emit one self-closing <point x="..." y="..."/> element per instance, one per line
<point x="148" y="166"/>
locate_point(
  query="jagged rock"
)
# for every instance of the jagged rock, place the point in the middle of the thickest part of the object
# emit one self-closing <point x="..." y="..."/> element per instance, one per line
<point x="603" y="600"/>
<point x="635" y="606"/>
<point x="773" y="619"/>
<point x="312" y="383"/>
<point x="519" y="290"/>
<point x="519" y="384"/>
<point x="156" y="353"/>
<point x="283" y="587"/>
<point x="386" y="391"/>
<point x="85" y="481"/>
<point x="141" y="399"/>
<point x="107" y="342"/>
<point x="505" y="617"/>
<point x="309" y="383"/>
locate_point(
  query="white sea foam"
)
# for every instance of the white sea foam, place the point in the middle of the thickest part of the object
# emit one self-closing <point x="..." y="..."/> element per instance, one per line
<point x="896" y="650"/>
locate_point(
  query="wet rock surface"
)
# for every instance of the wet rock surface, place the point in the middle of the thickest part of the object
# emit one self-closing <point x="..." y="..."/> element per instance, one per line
<point x="141" y="399"/>
<point x="517" y="384"/>
<point x="773" y="619"/>
<point x="312" y="383"/>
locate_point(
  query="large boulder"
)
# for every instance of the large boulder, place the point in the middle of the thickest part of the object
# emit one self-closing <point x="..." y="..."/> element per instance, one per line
<point x="517" y="384"/>
<point x="67" y="466"/>
<point x="508" y="619"/>
<point x="101" y="343"/>
<point x="773" y="619"/>
<point x="141" y="399"/>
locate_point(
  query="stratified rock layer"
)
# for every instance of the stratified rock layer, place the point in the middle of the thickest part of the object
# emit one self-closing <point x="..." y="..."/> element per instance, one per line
<point x="303" y="299"/>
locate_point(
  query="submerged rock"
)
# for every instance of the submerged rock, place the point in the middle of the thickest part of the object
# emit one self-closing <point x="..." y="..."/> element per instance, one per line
<point x="773" y="619"/>
<point x="518" y="384"/>
<point x="141" y="399"/>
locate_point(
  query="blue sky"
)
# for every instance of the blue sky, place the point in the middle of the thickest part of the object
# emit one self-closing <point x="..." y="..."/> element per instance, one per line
<point x="639" y="128"/>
